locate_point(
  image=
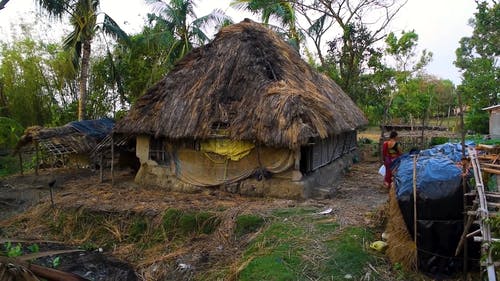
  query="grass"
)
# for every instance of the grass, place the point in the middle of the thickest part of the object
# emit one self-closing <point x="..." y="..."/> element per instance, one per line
<point x="289" y="243"/>
<point x="297" y="245"/>
<point x="176" y="222"/>
<point x="275" y="254"/>
<point x="246" y="224"/>
<point x="348" y="255"/>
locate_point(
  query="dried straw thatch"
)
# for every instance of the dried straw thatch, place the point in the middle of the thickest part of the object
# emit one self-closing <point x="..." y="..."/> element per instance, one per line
<point x="74" y="137"/>
<point x="252" y="83"/>
<point x="401" y="247"/>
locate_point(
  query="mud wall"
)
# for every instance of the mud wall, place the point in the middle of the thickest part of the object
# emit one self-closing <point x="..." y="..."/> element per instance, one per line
<point x="287" y="184"/>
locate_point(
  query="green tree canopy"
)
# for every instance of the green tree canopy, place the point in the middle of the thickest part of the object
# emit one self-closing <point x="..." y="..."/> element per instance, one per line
<point x="477" y="57"/>
<point x="83" y="19"/>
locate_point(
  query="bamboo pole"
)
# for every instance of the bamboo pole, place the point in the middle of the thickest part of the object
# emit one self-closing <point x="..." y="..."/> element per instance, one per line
<point x="21" y="163"/>
<point x="464" y="184"/>
<point x="101" y="173"/>
<point x="112" y="160"/>
<point x="36" y="158"/>
<point x="415" y="208"/>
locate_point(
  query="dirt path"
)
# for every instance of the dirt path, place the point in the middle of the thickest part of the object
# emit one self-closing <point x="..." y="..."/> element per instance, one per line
<point x="360" y="194"/>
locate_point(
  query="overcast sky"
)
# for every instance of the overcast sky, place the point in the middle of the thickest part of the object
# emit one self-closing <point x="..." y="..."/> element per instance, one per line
<point x="439" y="23"/>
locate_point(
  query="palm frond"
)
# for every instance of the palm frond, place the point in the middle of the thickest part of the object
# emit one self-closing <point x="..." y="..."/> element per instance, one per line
<point x="55" y="8"/>
<point x="216" y="18"/>
<point x="317" y="25"/>
<point x="73" y="44"/>
<point x="116" y="76"/>
<point x="158" y="7"/>
<point x="111" y="28"/>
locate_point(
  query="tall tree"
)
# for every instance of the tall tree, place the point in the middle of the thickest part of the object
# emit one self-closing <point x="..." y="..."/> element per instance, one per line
<point x="477" y="57"/>
<point x="282" y="11"/>
<point x="188" y="29"/>
<point x="83" y="18"/>
<point x="325" y="17"/>
<point x="24" y="76"/>
<point x="146" y="58"/>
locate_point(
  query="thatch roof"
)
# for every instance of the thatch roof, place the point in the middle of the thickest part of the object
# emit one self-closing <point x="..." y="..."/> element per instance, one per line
<point x="74" y="137"/>
<point x="251" y="82"/>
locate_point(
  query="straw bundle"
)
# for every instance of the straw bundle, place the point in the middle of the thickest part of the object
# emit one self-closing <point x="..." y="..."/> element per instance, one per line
<point x="401" y="247"/>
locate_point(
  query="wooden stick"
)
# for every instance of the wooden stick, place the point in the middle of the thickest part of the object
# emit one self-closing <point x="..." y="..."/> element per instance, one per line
<point x="44" y="272"/>
<point x="38" y="255"/>
<point x="112" y="160"/>
<point x="470" y="219"/>
<point x="21" y="162"/>
<point x="36" y="158"/>
<point x="51" y="197"/>
<point x="101" y="173"/>
<point x="491" y="171"/>
<point x="415" y="207"/>
<point x="464" y="183"/>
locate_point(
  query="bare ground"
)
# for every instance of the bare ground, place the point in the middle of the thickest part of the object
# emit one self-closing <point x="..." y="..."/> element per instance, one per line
<point x="359" y="200"/>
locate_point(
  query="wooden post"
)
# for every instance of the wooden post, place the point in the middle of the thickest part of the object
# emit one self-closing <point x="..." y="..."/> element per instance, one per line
<point x="101" y="176"/>
<point x="21" y="162"/>
<point x="112" y="159"/>
<point x="36" y="158"/>
<point x="415" y="208"/>
<point x="464" y="184"/>
<point x="296" y="174"/>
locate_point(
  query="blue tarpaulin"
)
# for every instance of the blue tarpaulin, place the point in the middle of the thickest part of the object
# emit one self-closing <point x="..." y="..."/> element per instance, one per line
<point x="98" y="129"/>
<point x="439" y="205"/>
<point x="437" y="171"/>
<point x="437" y="176"/>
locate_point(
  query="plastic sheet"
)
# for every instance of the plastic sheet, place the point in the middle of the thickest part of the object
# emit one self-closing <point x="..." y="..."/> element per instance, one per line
<point x="437" y="177"/>
<point x="98" y="129"/>
<point x="439" y="207"/>
<point x="234" y="150"/>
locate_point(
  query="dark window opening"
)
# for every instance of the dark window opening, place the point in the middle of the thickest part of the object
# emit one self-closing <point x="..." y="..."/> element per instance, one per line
<point x="322" y="152"/>
<point x="158" y="152"/>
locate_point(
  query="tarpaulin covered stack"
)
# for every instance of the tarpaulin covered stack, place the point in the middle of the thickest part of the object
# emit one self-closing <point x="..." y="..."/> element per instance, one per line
<point x="439" y="207"/>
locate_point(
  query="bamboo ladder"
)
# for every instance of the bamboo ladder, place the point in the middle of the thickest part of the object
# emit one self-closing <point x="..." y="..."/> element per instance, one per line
<point x="486" y="204"/>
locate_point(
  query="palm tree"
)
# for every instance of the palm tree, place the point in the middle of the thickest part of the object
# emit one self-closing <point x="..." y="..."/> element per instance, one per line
<point x="83" y="18"/>
<point x="281" y="10"/>
<point x="3" y="3"/>
<point x="180" y="19"/>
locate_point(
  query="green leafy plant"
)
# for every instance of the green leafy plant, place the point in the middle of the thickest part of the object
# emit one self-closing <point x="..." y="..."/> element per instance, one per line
<point x="34" y="248"/>
<point x="13" y="251"/>
<point x="56" y="262"/>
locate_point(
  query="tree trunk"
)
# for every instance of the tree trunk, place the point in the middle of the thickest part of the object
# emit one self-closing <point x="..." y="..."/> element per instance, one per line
<point x="84" y="75"/>
<point x="4" y="110"/>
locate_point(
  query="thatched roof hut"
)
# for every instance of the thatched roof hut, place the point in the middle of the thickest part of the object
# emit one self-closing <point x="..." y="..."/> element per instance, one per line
<point x="245" y="113"/>
<point x="74" y="137"/>
<point x="253" y="84"/>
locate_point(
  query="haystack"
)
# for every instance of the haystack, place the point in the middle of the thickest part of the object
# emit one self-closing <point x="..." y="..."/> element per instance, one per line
<point x="247" y="88"/>
<point x="401" y="247"/>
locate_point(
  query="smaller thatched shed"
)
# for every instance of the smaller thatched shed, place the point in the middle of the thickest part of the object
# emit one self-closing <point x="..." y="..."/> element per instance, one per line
<point x="72" y="142"/>
<point x="247" y="113"/>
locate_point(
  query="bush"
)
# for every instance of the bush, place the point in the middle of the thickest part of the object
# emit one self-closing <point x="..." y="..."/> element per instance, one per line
<point x="438" y="140"/>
